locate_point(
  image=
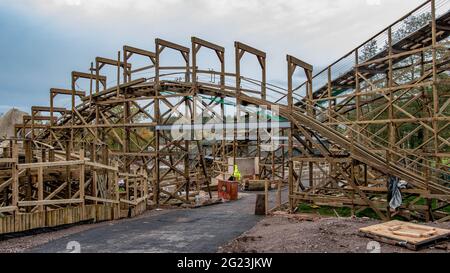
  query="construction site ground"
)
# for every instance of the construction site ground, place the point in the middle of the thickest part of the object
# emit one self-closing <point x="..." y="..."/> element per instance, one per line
<point x="308" y="233"/>
<point x="225" y="227"/>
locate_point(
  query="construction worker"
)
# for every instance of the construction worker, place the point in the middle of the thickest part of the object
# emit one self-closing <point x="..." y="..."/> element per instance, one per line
<point x="236" y="173"/>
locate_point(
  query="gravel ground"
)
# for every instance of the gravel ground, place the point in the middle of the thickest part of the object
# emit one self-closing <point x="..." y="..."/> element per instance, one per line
<point x="308" y="233"/>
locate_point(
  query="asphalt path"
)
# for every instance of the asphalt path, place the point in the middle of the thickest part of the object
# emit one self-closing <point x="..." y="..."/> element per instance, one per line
<point x="176" y="230"/>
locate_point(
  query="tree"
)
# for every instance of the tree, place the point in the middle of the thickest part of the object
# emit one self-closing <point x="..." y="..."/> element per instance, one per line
<point x="411" y="25"/>
<point x="368" y="51"/>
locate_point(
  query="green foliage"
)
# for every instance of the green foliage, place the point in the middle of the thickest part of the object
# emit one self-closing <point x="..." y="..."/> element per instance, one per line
<point x="406" y="71"/>
<point x="368" y="212"/>
<point x="411" y="24"/>
<point x="368" y="51"/>
<point x="324" y="210"/>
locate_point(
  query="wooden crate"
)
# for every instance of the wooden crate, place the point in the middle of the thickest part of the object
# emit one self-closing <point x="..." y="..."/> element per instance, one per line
<point x="409" y="235"/>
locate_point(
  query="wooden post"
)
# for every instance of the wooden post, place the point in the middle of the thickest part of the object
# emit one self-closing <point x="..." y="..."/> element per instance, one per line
<point x="238" y="57"/>
<point x="330" y="93"/>
<point x="118" y="74"/>
<point x="435" y="108"/>
<point x="91" y="83"/>
<point x="40" y="186"/>
<point x="311" y="174"/>
<point x="279" y="193"/>
<point x="82" y="180"/>
<point x="144" y="173"/>
<point x="186" y="168"/>
<point x="127" y="190"/>
<point x="157" y="119"/>
<point x="15" y="178"/>
<point x="273" y="159"/>
<point x="68" y="175"/>
<point x="260" y="204"/>
<point x="290" y="72"/>
<point x="28" y="159"/>
<point x="43" y="155"/>
<point x="266" y="194"/>
<point x="135" y="186"/>
<point x="116" y="188"/>
<point x="358" y="95"/>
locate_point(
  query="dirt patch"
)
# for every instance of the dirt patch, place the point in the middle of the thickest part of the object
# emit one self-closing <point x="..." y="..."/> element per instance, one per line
<point x="301" y="233"/>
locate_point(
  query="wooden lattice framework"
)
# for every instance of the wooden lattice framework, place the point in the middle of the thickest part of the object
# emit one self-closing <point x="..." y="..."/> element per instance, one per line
<point x="118" y="135"/>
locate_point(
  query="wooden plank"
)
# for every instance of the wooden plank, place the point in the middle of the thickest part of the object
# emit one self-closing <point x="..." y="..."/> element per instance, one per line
<point x="140" y="199"/>
<point x="9" y="181"/>
<point x="384" y="189"/>
<point x="8" y="209"/>
<point x="97" y="199"/>
<point x="444" y="219"/>
<point x="130" y="175"/>
<point x="101" y="166"/>
<point x="410" y="233"/>
<point x="119" y="125"/>
<point x="321" y="159"/>
<point x="49" y="164"/>
<point x="128" y="202"/>
<point x="7" y="160"/>
<point x="48" y="202"/>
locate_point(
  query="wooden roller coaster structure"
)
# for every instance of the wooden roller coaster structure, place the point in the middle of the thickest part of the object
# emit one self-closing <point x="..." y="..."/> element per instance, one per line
<point x="110" y="155"/>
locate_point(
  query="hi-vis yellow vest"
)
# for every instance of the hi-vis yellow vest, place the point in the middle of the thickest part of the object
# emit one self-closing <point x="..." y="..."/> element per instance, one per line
<point x="236" y="173"/>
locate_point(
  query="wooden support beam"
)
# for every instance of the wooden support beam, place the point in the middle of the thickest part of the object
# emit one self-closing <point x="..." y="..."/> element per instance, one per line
<point x="139" y="51"/>
<point x="84" y="75"/>
<point x="56" y="91"/>
<point x="49" y="202"/>
<point x="48" y="109"/>
<point x="207" y="44"/>
<point x="249" y="49"/>
<point x="171" y="45"/>
<point x="107" y="61"/>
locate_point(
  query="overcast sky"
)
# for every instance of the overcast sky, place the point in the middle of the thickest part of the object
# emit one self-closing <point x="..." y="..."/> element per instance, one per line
<point x="42" y="41"/>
